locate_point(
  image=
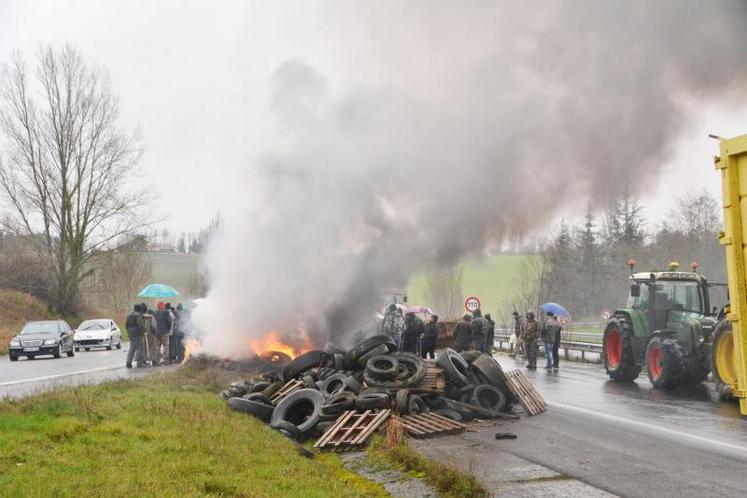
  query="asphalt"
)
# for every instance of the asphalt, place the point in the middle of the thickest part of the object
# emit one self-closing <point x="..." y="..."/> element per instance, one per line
<point x="598" y="437"/>
<point x="25" y="377"/>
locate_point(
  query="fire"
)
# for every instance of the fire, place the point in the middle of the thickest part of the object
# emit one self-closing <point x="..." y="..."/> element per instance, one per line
<point x="271" y="342"/>
<point x="189" y="347"/>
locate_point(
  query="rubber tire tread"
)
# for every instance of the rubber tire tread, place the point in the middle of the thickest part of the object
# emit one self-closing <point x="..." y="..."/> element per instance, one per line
<point x="254" y="408"/>
<point x="723" y="389"/>
<point x="284" y="425"/>
<point x="627" y="371"/>
<point x="672" y="363"/>
<point x="300" y="364"/>
<point x="286" y="404"/>
<point x="478" y="398"/>
<point x="373" y="401"/>
<point x="363" y="347"/>
<point x="448" y="361"/>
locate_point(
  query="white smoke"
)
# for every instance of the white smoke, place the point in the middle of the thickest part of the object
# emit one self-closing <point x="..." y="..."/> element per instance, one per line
<point x="467" y="123"/>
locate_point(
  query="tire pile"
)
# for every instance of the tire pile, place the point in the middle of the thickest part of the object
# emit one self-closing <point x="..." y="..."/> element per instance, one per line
<point x="372" y="375"/>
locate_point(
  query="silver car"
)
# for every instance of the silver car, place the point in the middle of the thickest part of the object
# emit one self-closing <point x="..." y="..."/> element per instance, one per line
<point x="100" y="333"/>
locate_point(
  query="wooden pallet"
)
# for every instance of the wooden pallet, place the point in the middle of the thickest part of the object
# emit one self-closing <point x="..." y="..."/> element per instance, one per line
<point x="352" y="429"/>
<point x="434" y="378"/>
<point x="430" y="424"/>
<point x="525" y="392"/>
<point x="290" y="387"/>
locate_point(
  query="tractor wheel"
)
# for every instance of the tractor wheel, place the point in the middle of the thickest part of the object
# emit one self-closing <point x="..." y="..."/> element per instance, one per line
<point x="697" y="367"/>
<point x="664" y="362"/>
<point x="722" y="359"/>
<point x="617" y="351"/>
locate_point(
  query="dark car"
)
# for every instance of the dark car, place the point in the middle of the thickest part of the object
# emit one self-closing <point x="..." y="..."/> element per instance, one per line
<point x="52" y="337"/>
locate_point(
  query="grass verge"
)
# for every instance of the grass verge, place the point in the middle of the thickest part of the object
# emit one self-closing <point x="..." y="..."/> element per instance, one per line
<point x="449" y="481"/>
<point x="163" y="435"/>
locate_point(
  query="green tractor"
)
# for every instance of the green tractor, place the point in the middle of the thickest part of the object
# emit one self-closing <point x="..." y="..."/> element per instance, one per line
<point x="665" y="326"/>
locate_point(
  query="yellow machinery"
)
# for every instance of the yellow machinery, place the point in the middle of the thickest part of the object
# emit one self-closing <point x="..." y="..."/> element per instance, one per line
<point x="729" y="360"/>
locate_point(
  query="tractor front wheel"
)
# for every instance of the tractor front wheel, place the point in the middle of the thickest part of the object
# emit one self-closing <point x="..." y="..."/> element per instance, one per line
<point x="722" y="360"/>
<point x="617" y="351"/>
<point x="664" y="362"/>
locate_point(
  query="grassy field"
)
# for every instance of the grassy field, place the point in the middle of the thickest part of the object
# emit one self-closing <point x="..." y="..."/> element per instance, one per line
<point x="163" y="435"/>
<point x="490" y="280"/>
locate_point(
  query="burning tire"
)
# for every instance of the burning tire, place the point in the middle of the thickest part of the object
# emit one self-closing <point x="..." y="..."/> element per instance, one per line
<point x="456" y="368"/>
<point x="382" y="367"/>
<point x="301" y="408"/>
<point x="255" y="408"/>
<point x="332" y="349"/>
<point x="302" y="363"/>
<point x="723" y="360"/>
<point x="617" y="351"/>
<point x="664" y="362"/>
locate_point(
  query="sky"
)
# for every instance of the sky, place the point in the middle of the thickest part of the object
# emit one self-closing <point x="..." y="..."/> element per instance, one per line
<point x="195" y="78"/>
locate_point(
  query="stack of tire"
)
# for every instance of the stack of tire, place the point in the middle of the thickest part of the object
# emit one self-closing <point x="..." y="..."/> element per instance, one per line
<point x="371" y="375"/>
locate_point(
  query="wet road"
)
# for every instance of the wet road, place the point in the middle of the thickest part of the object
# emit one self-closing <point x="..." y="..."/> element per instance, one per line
<point x="632" y="440"/>
<point x="25" y="377"/>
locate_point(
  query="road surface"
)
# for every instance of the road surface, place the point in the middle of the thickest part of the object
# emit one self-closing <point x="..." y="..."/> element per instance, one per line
<point x="24" y="377"/>
<point x="629" y="439"/>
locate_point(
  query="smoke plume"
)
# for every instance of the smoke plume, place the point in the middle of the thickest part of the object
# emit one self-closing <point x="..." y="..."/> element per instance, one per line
<point x="466" y="124"/>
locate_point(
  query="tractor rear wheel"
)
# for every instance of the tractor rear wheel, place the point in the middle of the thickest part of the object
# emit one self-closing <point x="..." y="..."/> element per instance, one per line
<point x="722" y="360"/>
<point x="617" y="350"/>
<point x="664" y="362"/>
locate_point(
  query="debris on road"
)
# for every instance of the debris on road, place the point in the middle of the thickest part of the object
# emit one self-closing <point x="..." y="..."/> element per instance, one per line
<point x="505" y="435"/>
<point x="344" y="396"/>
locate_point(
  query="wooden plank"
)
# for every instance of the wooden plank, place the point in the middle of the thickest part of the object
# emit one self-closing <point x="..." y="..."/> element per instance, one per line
<point x="347" y="430"/>
<point x="375" y="424"/>
<point x="434" y="425"/>
<point x="528" y="396"/>
<point x="448" y="420"/>
<point x="332" y="431"/>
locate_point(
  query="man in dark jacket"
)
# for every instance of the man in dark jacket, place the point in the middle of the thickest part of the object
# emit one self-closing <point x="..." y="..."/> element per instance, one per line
<point x="430" y="336"/>
<point x="490" y="338"/>
<point x="463" y="334"/>
<point x="163" y="335"/>
<point x="135" y="326"/>
<point x="480" y="328"/>
<point x="550" y="332"/>
<point x="530" y="331"/>
<point x="413" y="330"/>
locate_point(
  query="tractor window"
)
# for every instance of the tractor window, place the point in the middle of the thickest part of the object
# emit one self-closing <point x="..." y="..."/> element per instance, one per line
<point x="679" y="296"/>
<point x="641" y="302"/>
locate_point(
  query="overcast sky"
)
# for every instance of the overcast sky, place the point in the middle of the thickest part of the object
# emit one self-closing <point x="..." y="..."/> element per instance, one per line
<point x="194" y="76"/>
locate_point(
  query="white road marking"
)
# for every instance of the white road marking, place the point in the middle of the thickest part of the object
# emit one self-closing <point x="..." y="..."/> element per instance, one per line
<point x="57" y="376"/>
<point x="741" y="451"/>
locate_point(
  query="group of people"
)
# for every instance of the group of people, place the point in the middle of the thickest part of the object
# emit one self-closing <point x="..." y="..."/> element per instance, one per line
<point x="475" y="332"/>
<point x="528" y="332"/>
<point x="156" y="337"/>
<point x="410" y="333"/>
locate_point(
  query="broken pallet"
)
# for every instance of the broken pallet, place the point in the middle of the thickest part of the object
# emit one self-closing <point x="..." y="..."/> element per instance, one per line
<point x="290" y="387"/>
<point x="429" y="424"/>
<point x="352" y="429"/>
<point x="434" y="378"/>
<point x="525" y="392"/>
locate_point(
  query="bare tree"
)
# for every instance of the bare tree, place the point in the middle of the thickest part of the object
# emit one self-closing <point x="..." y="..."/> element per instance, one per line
<point x="444" y="291"/>
<point x="67" y="164"/>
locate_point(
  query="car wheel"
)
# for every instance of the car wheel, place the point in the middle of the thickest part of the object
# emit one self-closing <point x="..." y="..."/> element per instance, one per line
<point x="111" y="342"/>
<point x="30" y="356"/>
<point x="13" y="357"/>
<point x="77" y="350"/>
<point x="58" y="353"/>
<point x="119" y="343"/>
<point x="71" y="353"/>
<point x="88" y="349"/>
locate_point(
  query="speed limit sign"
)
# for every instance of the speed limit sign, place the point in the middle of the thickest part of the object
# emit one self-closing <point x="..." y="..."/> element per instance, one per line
<point x="472" y="303"/>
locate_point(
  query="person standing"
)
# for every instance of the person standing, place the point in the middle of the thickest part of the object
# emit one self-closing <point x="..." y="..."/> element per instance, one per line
<point x="550" y="331"/>
<point x="150" y="333"/>
<point x="393" y="325"/>
<point x="163" y="334"/>
<point x="514" y="341"/>
<point x="430" y="337"/>
<point x="556" y="347"/>
<point x="490" y="337"/>
<point x="463" y="334"/>
<point x="480" y="328"/>
<point x="180" y="330"/>
<point x="413" y="329"/>
<point x="135" y="326"/>
<point x="530" y="332"/>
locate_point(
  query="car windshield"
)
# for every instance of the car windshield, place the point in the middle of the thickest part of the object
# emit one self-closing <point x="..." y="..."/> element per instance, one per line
<point x="94" y="325"/>
<point x="40" y="328"/>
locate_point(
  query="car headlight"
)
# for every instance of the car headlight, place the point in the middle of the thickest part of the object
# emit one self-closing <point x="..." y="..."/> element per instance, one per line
<point x="50" y="342"/>
<point x="15" y="344"/>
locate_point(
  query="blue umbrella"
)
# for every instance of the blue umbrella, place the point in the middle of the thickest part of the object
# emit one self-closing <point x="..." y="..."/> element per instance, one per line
<point x="158" y="290"/>
<point x="555" y="309"/>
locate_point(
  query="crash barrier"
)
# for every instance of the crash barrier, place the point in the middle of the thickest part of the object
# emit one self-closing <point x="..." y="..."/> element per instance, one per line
<point x="583" y="342"/>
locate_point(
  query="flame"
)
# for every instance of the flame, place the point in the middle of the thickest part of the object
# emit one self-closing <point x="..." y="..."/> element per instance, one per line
<point x="271" y="342"/>
<point x="189" y="347"/>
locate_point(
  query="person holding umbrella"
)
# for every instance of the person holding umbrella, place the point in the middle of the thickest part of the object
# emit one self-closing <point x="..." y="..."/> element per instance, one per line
<point x="551" y="337"/>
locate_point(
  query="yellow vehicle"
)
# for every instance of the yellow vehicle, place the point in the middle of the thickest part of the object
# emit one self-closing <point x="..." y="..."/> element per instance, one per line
<point x="729" y="350"/>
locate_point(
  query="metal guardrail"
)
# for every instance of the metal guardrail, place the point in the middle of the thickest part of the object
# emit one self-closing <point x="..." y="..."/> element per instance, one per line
<point x="584" y="342"/>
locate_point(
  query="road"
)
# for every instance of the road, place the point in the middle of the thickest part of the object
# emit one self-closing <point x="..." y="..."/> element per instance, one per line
<point x="25" y="377"/>
<point x="630" y="439"/>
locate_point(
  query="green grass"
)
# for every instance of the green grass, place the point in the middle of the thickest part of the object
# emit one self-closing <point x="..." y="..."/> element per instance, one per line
<point x="447" y="479"/>
<point x="490" y="279"/>
<point x="164" y="435"/>
<point x="174" y="269"/>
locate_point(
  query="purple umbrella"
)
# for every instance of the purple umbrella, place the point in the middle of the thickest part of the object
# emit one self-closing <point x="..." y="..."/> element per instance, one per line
<point x="419" y="309"/>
